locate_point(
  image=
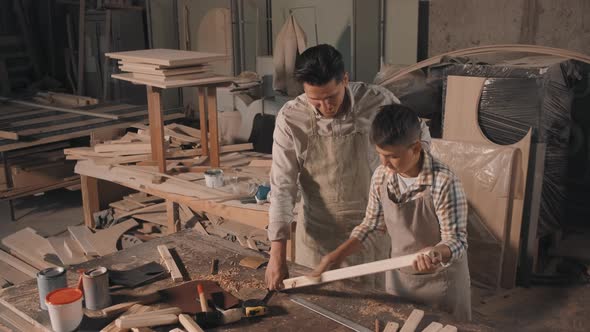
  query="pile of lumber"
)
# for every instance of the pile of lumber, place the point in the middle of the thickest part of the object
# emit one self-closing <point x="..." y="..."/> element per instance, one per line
<point x="166" y="66"/>
<point x="182" y="148"/>
<point x="37" y="170"/>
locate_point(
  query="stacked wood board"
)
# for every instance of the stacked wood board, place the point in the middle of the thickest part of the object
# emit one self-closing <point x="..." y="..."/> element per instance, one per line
<point x="167" y="68"/>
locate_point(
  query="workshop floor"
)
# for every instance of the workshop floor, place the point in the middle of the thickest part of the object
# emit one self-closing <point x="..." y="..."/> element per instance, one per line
<point x="539" y="308"/>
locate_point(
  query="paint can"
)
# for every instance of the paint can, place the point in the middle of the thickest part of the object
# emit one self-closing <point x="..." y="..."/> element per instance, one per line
<point x="214" y="178"/>
<point x="49" y="280"/>
<point x="96" y="288"/>
<point x="65" y="309"/>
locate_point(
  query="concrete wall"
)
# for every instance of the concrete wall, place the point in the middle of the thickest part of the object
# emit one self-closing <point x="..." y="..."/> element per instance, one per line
<point x="401" y="31"/>
<point x="457" y="24"/>
<point x="333" y="19"/>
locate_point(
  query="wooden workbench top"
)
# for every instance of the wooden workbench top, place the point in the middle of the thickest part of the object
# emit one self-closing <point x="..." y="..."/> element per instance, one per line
<point x="196" y="253"/>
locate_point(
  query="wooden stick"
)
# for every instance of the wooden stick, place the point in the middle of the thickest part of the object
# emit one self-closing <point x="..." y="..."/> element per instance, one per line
<point x="60" y="109"/>
<point x="189" y="324"/>
<point x="170" y="263"/>
<point x="413" y="320"/>
<point x="18" y="264"/>
<point x="166" y="311"/>
<point x="433" y="327"/>
<point x="8" y="135"/>
<point x="122" y="307"/>
<point x="352" y="271"/>
<point x="129" y="322"/>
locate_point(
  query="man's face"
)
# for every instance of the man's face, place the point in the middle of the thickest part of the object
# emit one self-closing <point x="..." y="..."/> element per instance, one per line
<point x="400" y="158"/>
<point x="327" y="98"/>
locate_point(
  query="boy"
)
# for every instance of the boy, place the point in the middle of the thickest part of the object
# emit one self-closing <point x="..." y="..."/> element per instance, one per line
<point x="422" y="205"/>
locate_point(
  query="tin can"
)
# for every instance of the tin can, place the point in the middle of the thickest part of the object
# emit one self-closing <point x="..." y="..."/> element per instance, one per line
<point x="96" y="288"/>
<point x="49" y="280"/>
<point x="214" y="178"/>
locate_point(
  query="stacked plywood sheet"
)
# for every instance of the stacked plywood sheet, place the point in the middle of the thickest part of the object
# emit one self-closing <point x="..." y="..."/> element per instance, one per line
<point x="167" y="68"/>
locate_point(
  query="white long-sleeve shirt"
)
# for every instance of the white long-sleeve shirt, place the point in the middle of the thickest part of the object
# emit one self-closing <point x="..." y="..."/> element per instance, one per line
<point x="291" y="135"/>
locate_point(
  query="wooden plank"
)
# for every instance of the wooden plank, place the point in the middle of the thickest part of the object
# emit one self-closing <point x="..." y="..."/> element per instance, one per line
<point x="105" y="241"/>
<point x="461" y="124"/>
<point x="129" y="308"/>
<point x="189" y="324"/>
<point x="173" y="224"/>
<point x="170" y="263"/>
<point x="449" y="328"/>
<point x="135" y="147"/>
<point x="166" y="79"/>
<point x="202" y="100"/>
<point x="8" y="135"/>
<point x="146" y="321"/>
<point x="20" y="242"/>
<point x="174" y="84"/>
<point x="13" y="275"/>
<point x="167" y="57"/>
<point x="413" y="320"/>
<point x="126" y="205"/>
<point x="18" y="264"/>
<point x="133" y="67"/>
<point x="83" y="236"/>
<point x="60" y="109"/>
<point x="194" y="132"/>
<point x="352" y="271"/>
<point x="433" y="327"/>
<point x="67" y="252"/>
<point x="156" y="127"/>
<point x="213" y="126"/>
<point x="90" y="199"/>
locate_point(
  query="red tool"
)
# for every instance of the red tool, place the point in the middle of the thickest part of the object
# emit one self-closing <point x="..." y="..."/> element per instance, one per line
<point x="202" y="298"/>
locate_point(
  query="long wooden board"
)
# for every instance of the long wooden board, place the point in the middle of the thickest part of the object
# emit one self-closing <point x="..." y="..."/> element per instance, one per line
<point x="167" y="57"/>
<point x="18" y="264"/>
<point x="461" y="124"/>
<point x="352" y="271"/>
<point x="173" y="84"/>
<point x="60" y="109"/>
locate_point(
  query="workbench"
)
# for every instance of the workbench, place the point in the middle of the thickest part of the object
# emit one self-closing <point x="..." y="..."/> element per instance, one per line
<point x="196" y="253"/>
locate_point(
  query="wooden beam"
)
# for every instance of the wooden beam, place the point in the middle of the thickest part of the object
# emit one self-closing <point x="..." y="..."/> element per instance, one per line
<point x="18" y="264"/>
<point x="413" y="320"/>
<point x="60" y="109"/>
<point x="213" y="125"/>
<point x="90" y="199"/>
<point x="173" y="217"/>
<point x="352" y="271"/>
<point x="203" y="120"/>
<point x="189" y="324"/>
<point x="156" y="127"/>
<point x="146" y="320"/>
<point x="170" y="263"/>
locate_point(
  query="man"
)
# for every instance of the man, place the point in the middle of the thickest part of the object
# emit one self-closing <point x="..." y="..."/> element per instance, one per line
<point x="321" y="145"/>
<point x="422" y="205"/>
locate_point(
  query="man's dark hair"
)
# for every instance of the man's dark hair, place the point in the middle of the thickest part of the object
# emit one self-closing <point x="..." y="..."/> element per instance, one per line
<point x="318" y="65"/>
<point x="395" y="125"/>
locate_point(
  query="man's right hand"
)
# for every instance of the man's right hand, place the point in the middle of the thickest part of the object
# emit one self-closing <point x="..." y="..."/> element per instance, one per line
<point x="276" y="270"/>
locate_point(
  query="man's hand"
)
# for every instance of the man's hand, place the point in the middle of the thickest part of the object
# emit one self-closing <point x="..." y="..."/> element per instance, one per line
<point x="430" y="258"/>
<point x="277" y="270"/>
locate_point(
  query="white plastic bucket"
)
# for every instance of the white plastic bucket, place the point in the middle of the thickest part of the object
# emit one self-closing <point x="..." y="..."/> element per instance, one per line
<point x="65" y="309"/>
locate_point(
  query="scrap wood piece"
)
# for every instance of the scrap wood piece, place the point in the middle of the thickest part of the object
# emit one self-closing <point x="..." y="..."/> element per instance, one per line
<point x="391" y="327"/>
<point x="131" y="307"/>
<point x="413" y="320"/>
<point x="18" y="264"/>
<point x="261" y="163"/>
<point x="189" y="324"/>
<point x="170" y="263"/>
<point x="170" y="132"/>
<point x="67" y="252"/>
<point x="152" y="208"/>
<point x="82" y="235"/>
<point x="20" y="242"/>
<point x="194" y="132"/>
<point x="8" y="135"/>
<point x="105" y="241"/>
<point x="12" y="275"/>
<point x="253" y="262"/>
<point x="352" y="271"/>
<point x="125" y="147"/>
<point x="449" y="328"/>
<point x="126" y="205"/>
<point x="134" y="308"/>
<point x="147" y="320"/>
<point x="433" y="327"/>
<point x="199" y="228"/>
<point x="60" y="109"/>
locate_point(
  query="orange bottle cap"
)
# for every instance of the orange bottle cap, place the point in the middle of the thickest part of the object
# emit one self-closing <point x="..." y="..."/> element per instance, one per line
<point x="63" y="296"/>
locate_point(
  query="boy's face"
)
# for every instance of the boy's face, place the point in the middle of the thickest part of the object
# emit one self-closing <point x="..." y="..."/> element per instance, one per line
<point x="401" y="159"/>
<point x="327" y="98"/>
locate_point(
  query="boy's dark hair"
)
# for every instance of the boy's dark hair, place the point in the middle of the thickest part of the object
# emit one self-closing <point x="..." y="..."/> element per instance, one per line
<point x="395" y="125"/>
<point x="318" y="65"/>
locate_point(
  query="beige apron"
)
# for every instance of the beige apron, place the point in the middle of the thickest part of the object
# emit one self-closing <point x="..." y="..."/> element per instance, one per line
<point x="335" y="180"/>
<point x="413" y="226"/>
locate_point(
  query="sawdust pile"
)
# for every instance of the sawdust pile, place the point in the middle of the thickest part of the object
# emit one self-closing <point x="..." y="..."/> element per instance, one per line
<point x="229" y="279"/>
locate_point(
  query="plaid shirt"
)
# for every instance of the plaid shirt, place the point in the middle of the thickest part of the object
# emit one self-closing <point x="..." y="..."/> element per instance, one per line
<point x="450" y="203"/>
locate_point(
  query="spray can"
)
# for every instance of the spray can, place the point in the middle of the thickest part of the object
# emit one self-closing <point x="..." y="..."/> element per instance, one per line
<point x="49" y="280"/>
<point x="96" y="288"/>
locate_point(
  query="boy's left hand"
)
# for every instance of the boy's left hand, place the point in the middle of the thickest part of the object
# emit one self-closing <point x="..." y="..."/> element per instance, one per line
<point x="425" y="263"/>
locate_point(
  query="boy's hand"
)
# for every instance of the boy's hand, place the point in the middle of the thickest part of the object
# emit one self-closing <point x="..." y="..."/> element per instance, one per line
<point x="332" y="259"/>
